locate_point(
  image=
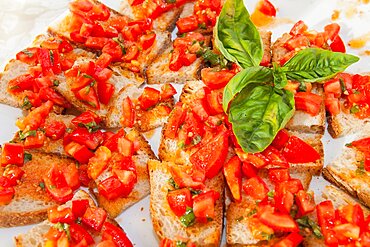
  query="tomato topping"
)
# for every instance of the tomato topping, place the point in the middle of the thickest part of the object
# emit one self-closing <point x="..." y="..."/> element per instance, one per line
<point x="64" y="215"/>
<point x="78" y="151"/>
<point x="35" y="140"/>
<point x="299" y="41"/>
<point x="105" y="92"/>
<point x="79" y="207"/>
<point x="278" y="175"/>
<point x="21" y="83"/>
<point x="12" y="174"/>
<point x="338" y="45"/>
<point x="211" y="156"/>
<point x="116" y="234"/>
<point x="99" y="162"/>
<point x="56" y="185"/>
<point x="299" y="28"/>
<point x="305" y="202"/>
<point x="308" y="102"/>
<point x="79" y="234"/>
<point x="187" y="24"/>
<point x="267" y="8"/>
<point x="332" y="31"/>
<point x="255" y="187"/>
<point x="176" y="118"/>
<point x="12" y="153"/>
<point x="332" y="104"/>
<point x="179" y="200"/>
<point x="128" y="113"/>
<point x="298" y="151"/>
<point x="36" y="117"/>
<point x="278" y="221"/>
<point x="233" y="175"/>
<point x="333" y="86"/>
<point x="112" y="188"/>
<point x="6" y="195"/>
<point x="214" y="100"/>
<point x="167" y="91"/>
<point x="176" y="59"/>
<point x="88" y="96"/>
<point x="277" y="160"/>
<point x="184" y="180"/>
<point x="292" y="240"/>
<point x="70" y="173"/>
<point x="249" y="170"/>
<point x="147" y="40"/>
<point x="216" y="79"/>
<point x="94" y="218"/>
<point x="149" y="98"/>
<point x="204" y="205"/>
<point x="28" y="55"/>
<point x="85" y="119"/>
<point x="85" y="137"/>
<point x="257" y="159"/>
<point x="55" y="129"/>
<point x="280" y="140"/>
<point x="131" y="53"/>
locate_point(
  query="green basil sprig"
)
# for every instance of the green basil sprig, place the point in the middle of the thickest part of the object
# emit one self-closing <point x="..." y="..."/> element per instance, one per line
<point x="236" y="36"/>
<point x="315" y="65"/>
<point x="258" y="113"/>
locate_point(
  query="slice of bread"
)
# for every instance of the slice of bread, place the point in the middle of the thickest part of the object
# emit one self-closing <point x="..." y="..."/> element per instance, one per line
<point x="31" y="201"/>
<point x="141" y="189"/>
<point x="166" y="224"/>
<point x="278" y="49"/>
<point x="238" y="214"/>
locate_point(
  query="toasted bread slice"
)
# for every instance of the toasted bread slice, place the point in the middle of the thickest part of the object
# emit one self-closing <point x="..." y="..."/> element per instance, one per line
<point x="345" y="172"/>
<point x="278" y="49"/>
<point x="339" y="198"/>
<point x="31" y="202"/>
<point x="239" y="215"/>
<point x="166" y="224"/>
<point x="141" y="189"/>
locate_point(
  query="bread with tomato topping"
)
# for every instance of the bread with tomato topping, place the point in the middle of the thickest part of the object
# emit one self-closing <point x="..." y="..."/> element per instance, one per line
<point x="141" y="189"/>
<point x="166" y="224"/>
<point x="31" y="201"/>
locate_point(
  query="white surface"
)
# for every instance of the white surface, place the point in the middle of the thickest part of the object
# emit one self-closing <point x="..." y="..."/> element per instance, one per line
<point x="21" y="20"/>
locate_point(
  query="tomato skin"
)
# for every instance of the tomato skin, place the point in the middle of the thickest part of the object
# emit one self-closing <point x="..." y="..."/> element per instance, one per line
<point x="78" y="234"/>
<point x="78" y="151"/>
<point x="128" y="113"/>
<point x="65" y="215"/>
<point x="292" y="240"/>
<point x="338" y="45"/>
<point x="179" y="200"/>
<point x="249" y="170"/>
<point x="94" y="218"/>
<point x="176" y="118"/>
<point x="267" y="8"/>
<point x="131" y="53"/>
<point x="332" y="105"/>
<point x="149" y="98"/>
<point x="257" y="159"/>
<point x="281" y="139"/>
<point x="28" y="55"/>
<point x="55" y="129"/>
<point x="299" y="28"/>
<point x="184" y="180"/>
<point x="12" y="153"/>
<point x="12" y="173"/>
<point x="21" y="83"/>
<point x="104" y="60"/>
<point x="187" y="24"/>
<point x="333" y="86"/>
<point x="96" y="42"/>
<point x="36" y="141"/>
<point x="105" y="92"/>
<point x="305" y="202"/>
<point x="204" y="205"/>
<point x="6" y="195"/>
<point x="176" y="59"/>
<point x="167" y="91"/>
<point x="70" y="173"/>
<point x="278" y="221"/>
<point x="256" y="188"/>
<point x="56" y="185"/>
<point x="298" y="41"/>
<point x="147" y="40"/>
<point x="211" y="156"/>
<point x="326" y="218"/>
<point x="214" y="100"/>
<point x="85" y="118"/>
<point x="111" y="188"/>
<point x="298" y="151"/>
<point x="331" y="31"/>
<point x="277" y="160"/>
<point x="309" y="102"/>
<point x="216" y="79"/>
<point x="233" y="174"/>
<point x="278" y="175"/>
<point x="79" y="207"/>
<point x="116" y="234"/>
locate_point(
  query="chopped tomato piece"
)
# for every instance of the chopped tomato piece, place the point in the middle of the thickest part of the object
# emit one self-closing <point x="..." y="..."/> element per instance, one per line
<point x="257" y="159"/>
<point x="332" y="104"/>
<point x="183" y="179"/>
<point x="204" y="205"/>
<point x="55" y="129"/>
<point x="187" y="24"/>
<point x="13" y="174"/>
<point x="299" y="28"/>
<point x="131" y="53"/>
<point x="149" y="98"/>
<point x="79" y="207"/>
<point x="249" y="170"/>
<point x="305" y="202"/>
<point x="338" y="45"/>
<point x="86" y="118"/>
<point x="255" y="187"/>
<point x="347" y="231"/>
<point x="167" y="91"/>
<point x="79" y="233"/>
<point x="94" y="218"/>
<point x="278" y="175"/>
<point x="298" y="151"/>
<point x="292" y="240"/>
<point x="12" y="153"/>
<point x="116" y="234"/>
<point x="6" y="195"/>
<point x="176" y="118"/>
<point x="200" y="109"/>
<point x="70" y="173"/>
<point x="128" y="113"/>
<point x="96" y="42"/>
<point x="214" y="100"/>
<point x="267" y="8"/>
<point x="277" y="160"/>
<point x="299" y="41"/>
<point x="64" y="215"/>
<point x="21" y="83"/>
<point x="278" y="221"/>
<point x="216" y="79"/>
<point x="111" y="188"/>
<point x="35" y="141"/>
<point x="47" y="93"/>
<point x="308" y="102"/>
<point x="56" y="185"/>
<point x="333" y="86"/>
<point x="104" y="60"/>
<point x="147" y="40"/>
<point x="78" y="151"/>
<point x="325" y="214"/>
<point x="281" y="139"/>
<point x="88" y="96"/>
<point x="105" y="92"/>
<point x="28" y="55"/>
<point x="233" y="175"/>
<point x="331" y="31"/>
<point x="176" y="59"/>
<point x="179" y="200"/>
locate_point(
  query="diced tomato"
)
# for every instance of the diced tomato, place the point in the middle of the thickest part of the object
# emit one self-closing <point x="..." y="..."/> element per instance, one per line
<point x="267" y="8"/>
<point x="216" y="79"/>
<point x="338" y="45"/>
<point x="292" y="185"/>
<point x="325" y="214"/>
<point x="94" y="218"/>
<point x="332" y="104"/>
<point x="147" y="40"/>
<point x="96" y="42"/>
<point x="78" y="234"/>
<point x="299" y="41"/>
<point x="50" y="94"/>
<point x="233" y="174"/>
<point x="86" y="118"/>
<point x="331" y="31"/>
<point x="112" y="142"/>
<point x="200" y="109"/>
<point x="21" y="83"/>
<point x="99" y="162"/>
<point x="35" y="141"/>
<point x="188" y="58"/>
<point x="257" y="159"/>
<point x="6" y="195"/>
<point x="284" y="200"/>
<point x="64" y="215"/>
<point x="167" y="91"/>
<point x="12" y="174"/>
<point x="53" y="235"/>
<point x="214" y="100"/>
<point x="176" y="118"/>
<point x="135" y="2"/>
<point x="125" y="147"/>
<point x="78" y="151"/>
<point x="77" y="37"/>
<point x="255" y="187"/>
<point x="70" y="173"/>
<point x="333" y="86"/>
<point x="204" y="205"/>
<point x="183" y="179"/>
<point x="36" y="117"/>
<point x="30" y="100"/>
<point x="28" y="55"/>
<point x="281" y="139"/>
<point x="66" y="64"/>
<point x="55" y="129"/>
<point x="176" y="59"/>
<point x="104" y="60"/>
<point x="116" y="234"/>
<point x="149" y="98"/>
<point x="287" y="57"/>
<point x="278" y="221"/>
<point x="298" y="151"/>
<point x="179" y="200"/>
<point x="187" y="24"/>
<point x="299" y="28"/>
<point x="305" y="202"/>
<point x="79" y="207"/>
<point x="131" y="53"/>
<point x="211" y="156"/>
<point x="249" y="170"/>
<point x="88" y="96"/>
<point x="105" y="92"/>
<point x="114" y="49"/>
<point x="278" y="175"/>
<point x="128" y="113"/>
<point x="111" y="188"/>
<point x="292" y="240"/>
<point x="56" y="185"/>
<point x="363" y="144"/>
<point x="346" y="231"/>
<point x="277" y="160"/>
<point x="12" y="153"/>
<point x="308" y="102"/>
<point x="83" y="136"/>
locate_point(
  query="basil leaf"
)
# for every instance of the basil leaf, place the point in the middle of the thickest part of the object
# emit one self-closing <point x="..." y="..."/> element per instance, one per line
<point x="236" y="36"/>
<point x="279" y="75"/>
<point x="315" y="65"/>
<point x="242" y="79"/>
<point x="257" y="113"/>
<point x="188" y="218"/>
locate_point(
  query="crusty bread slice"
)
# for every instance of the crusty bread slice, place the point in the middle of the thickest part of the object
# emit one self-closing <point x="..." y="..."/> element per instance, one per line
<point x="304" y="122"/>
<point x="345" y="173"/>
<point x="141" y="189"/>
<point x="278" y="49"/>
<point x="31" y="202"/>
<point x="166" y="224"/>
<point x="238" y="231"/>
<point x="339" y="198"/>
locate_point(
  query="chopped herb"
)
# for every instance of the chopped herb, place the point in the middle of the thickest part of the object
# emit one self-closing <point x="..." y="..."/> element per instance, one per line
<point x="170" y="1"/>
<point x="51" y="57"/>
<point x="267" y="236"/>
<point x="182" y="35"/>
<point x="196" y="139"/>
<point x="87" y="76"/>
<point x="252" y="212"/>
<point x="91" y="126"/>
<point x="14" y="87"/>
<point x="361" y="168"/>
<point x="180" y="244"/>
<point x="63" y="227"/>
<point x="195" y="192"/>
<point x="356" y="92"/>
<point x="240" y="218"/>
<point x="302" y="87"/>
<point x="354" y="109"/>
<point x="293" y="212"/>
<point x="271" y="194"/>
<point x="26" y="103"/>
<point x="42" y="185"/>
<point x="343" y="85"/>
<point x="56" y="82"/>
<point x="28" y="53"/>
<point x="119" y="42"/>
<point x="202" y="26"/>
<point x="349" y="145"/>
<point x="27" y="157"/>
<point x="23" y="136"/>
<point x="172" y="182"/>
<point x="188" y="218"/>
<point x="213" y="58"/>
<point x="92" y="83"/>
<point x="78" y="73"/>
<point x="306" y="222"/>
<point x="181" y="144"/>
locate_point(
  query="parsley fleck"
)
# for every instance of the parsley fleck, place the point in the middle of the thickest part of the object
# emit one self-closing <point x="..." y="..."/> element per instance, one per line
<point x="27" y="157"/>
